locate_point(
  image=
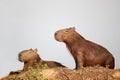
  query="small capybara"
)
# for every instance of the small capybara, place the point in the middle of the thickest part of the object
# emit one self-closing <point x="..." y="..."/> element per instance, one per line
<point x="85" y="52"/>
<point x="31" y="58"/>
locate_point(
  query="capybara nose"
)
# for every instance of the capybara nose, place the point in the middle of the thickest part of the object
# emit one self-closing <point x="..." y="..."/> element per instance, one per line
<point x="19" y="55"/>
<point x="55" y="33"/>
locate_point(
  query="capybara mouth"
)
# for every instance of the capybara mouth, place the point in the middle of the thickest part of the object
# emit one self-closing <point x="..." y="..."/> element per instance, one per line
<point x="56" y="38"/>
<point x="20" y="59"/>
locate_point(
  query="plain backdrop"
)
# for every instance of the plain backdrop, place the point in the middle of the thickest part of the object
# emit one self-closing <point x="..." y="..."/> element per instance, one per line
<point x="26" y="24"/>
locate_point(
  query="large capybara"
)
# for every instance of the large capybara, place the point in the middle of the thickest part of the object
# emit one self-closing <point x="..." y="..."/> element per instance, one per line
<point x="32" y="59"/>
<point x="85" y="52"/>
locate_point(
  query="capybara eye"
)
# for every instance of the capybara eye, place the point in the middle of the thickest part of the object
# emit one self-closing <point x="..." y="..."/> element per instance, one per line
<point x="66" y="31"/>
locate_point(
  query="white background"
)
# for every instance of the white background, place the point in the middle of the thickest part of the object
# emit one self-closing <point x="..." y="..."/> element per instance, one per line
<point x="26" y="24"/>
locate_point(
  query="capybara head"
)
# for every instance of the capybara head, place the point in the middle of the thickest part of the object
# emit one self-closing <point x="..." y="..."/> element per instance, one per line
<point x="27" y="55"/>
<point x="63" y="34"/>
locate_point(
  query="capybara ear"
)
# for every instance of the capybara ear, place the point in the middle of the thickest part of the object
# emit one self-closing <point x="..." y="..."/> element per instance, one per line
<point x="35" y="50"/>
<point x="30" y="49"/>
<point x="72" y="28"/>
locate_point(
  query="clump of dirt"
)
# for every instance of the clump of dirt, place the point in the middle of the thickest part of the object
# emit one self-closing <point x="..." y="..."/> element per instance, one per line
<point x="91" y="73"/>
<point x="86" y="73"/>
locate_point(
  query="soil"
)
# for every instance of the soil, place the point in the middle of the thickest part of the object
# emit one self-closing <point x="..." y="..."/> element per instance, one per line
<point x="86" y="73"/>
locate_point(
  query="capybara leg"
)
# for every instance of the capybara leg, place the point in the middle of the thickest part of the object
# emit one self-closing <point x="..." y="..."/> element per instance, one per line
<point x="80" y="62"/>
<point x="110" y="63"/>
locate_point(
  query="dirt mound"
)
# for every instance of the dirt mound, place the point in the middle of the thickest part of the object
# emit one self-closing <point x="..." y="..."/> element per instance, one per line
<point x="86" y="73"/>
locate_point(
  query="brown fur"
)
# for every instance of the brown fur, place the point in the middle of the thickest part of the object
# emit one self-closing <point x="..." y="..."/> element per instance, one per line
<point x="85" y="53"/>
<point x="31" y="58"/>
